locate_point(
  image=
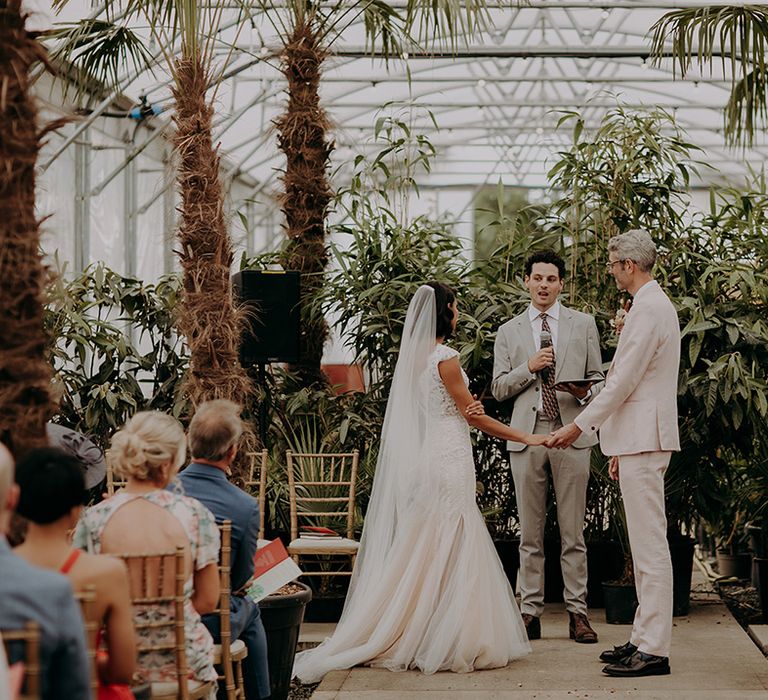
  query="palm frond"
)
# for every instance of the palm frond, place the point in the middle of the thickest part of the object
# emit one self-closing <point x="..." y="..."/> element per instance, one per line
<point x="100" y="51"/>
<point x="435" y="22"/>
<point x="746" y="109"/>
<point x="735" y="33"/>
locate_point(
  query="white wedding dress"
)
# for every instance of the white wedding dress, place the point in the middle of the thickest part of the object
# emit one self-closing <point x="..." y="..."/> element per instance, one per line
<point x="429" y="591"/>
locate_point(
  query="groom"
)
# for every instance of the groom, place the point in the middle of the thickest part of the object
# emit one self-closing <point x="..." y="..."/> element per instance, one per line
<point x="636" y="414"/>
<point x="549" y="342"/>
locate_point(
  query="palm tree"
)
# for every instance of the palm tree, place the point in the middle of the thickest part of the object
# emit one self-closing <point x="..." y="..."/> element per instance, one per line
<point x="736" y="32"/>
<point x="25" y="374"/>
<point x="308" y="31"/>
<point x="208" y="316"/>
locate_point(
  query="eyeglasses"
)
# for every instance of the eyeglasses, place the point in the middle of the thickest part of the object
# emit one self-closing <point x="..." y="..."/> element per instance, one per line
<point x="609" y="265"/>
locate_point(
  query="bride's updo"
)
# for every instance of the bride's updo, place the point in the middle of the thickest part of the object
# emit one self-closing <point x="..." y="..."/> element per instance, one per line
<point x="444" y="297"/>
<point x="145" y="445"/>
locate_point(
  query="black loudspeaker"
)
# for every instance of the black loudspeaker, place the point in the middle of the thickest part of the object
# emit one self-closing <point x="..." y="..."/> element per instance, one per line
<point x="272" y="300"/>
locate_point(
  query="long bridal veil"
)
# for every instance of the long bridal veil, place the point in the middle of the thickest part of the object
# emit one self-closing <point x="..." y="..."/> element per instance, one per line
<point x="401" y="479"/>
<point x="400" y="485"/>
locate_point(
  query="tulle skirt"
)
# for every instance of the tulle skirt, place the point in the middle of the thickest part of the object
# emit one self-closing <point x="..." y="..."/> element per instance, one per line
<point x="443" y="604"/>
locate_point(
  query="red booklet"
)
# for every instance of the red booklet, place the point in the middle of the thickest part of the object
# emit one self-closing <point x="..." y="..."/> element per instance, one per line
<point x="316" y="531"/>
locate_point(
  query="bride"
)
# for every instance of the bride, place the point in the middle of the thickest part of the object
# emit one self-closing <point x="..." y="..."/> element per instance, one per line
<point x="428" y="590"/>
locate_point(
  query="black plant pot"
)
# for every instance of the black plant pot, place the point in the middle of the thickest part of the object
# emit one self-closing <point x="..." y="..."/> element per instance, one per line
<point x="737" y="565"/>
<point x="762" y="574"/>
<point x="605" y="562"/>
<point x="620" y="603"/>
<point x="509" y="554"/>
<point x="681" y="550"/>
<point x="758" y="539"/>
<point x="282" y="616"/>
<point x="325" y="607"/>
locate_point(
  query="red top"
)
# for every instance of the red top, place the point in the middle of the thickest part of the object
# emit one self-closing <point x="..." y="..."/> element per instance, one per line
<point x="70" y="562"/>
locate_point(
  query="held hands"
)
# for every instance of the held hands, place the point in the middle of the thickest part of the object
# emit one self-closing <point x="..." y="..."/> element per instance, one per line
<point x="613" y="468"/>
<point x="536" y="440"/>
<point x="541" y="359"/>
<point x="565" y="436"/>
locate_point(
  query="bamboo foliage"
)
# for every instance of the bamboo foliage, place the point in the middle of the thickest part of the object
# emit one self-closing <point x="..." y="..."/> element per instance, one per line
<point x="25" y="375"/>
<point x="738" y="34"/>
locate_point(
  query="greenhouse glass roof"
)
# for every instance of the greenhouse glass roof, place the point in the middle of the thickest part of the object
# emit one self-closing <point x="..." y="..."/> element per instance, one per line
<point x="490" y="106"/>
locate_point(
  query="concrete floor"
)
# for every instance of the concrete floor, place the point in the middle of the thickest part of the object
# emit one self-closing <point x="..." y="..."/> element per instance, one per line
<point x="713" y="658"/>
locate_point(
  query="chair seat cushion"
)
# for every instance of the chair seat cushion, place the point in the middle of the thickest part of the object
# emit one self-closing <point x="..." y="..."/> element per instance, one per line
<point x="319" y="545"/>
<point x="236" y="648"/>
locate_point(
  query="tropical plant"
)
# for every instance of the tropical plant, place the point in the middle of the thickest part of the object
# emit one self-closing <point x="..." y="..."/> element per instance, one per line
<point x="25" y="376"/>
<point x="186" y="33"/>
<point x="114" y="349"/>
<point x="738" y="33"/>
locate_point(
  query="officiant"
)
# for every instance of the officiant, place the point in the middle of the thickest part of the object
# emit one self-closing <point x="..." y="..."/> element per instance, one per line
<point x="538" y="356"/>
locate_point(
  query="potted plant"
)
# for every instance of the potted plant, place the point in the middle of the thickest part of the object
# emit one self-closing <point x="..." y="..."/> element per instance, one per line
<point x="282" y="613"/>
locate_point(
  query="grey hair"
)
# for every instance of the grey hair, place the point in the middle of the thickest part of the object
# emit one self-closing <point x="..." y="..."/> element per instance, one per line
<point x="214" y="428"/>
<point x="635" y="245"/>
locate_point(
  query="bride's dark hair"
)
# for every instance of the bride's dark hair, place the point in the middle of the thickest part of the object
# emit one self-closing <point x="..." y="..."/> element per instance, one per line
<point x="444" y="296"/>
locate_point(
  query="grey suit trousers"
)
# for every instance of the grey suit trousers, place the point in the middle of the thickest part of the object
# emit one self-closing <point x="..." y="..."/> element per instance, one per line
<point x="570" y="474"/>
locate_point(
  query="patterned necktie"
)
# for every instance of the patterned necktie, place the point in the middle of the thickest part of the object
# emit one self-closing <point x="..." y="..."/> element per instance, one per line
<point x="548" y="395"/>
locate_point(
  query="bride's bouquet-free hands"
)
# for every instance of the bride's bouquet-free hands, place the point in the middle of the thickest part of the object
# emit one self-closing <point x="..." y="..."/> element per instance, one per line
<point x="537" y="440"/>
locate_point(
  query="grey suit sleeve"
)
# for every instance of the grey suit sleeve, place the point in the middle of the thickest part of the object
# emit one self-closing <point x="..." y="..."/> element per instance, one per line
<point x="68" y="673"/>
<point x="508" y="381"/>
<point x="594" y="369"/>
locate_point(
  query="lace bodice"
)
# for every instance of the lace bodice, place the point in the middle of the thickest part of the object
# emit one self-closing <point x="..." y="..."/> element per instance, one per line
<point x="439" y="401"/>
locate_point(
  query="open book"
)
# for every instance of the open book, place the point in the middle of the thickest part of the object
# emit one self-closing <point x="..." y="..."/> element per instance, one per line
<point x="272" y="569"/>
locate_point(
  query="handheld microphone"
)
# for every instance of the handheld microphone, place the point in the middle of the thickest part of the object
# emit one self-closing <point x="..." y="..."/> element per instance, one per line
<point x="545" y="339"/>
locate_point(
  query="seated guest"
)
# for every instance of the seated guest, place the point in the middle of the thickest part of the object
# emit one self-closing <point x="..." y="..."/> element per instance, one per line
<point x="214" y="435"/>
<point x="31" y="594"/>
<point x="53" y="489"/>
<point x="143" y="517"/>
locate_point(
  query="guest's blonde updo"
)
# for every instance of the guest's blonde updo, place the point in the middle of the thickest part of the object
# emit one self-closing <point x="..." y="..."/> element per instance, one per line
<point x="146" y="443"/>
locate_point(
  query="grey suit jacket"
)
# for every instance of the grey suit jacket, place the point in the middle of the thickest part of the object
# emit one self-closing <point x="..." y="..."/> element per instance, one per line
<point x="28" y="593"/>
<point x="577" y="355"/>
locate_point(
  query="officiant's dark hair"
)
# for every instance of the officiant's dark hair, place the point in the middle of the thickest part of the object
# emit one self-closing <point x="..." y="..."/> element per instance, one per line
<point x="545" y="256"/>
<point x="444" y="296"/>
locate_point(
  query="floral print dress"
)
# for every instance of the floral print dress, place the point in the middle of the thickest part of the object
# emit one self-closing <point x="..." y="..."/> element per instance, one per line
<point x="204" y="541"/>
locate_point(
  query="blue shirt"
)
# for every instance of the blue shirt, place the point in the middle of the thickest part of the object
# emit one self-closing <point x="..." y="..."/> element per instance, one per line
<point x="31" y="594"/>
<point x="210" y="486"/>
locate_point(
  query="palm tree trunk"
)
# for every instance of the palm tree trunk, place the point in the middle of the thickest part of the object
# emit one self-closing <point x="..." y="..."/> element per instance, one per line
<point x="25" y="375"/>
<point x="208" y="316"/>
<point x="302" y="131"/>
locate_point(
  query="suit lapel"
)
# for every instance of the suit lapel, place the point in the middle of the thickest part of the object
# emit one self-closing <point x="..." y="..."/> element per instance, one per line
<point x="523" y="326"/>
<point x="564" y="328"/>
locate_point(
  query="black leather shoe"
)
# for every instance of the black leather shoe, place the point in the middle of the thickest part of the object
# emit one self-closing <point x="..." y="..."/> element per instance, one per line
<point x="639" y="664"/>
<point x="612" y="656"/>
<point x="532" y="626"/>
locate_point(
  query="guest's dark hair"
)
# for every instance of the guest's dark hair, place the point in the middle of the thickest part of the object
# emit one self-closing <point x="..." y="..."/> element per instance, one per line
<point x="444" y="297"/>
<point x="545" y="256"/>
<point x="51" y="483"/>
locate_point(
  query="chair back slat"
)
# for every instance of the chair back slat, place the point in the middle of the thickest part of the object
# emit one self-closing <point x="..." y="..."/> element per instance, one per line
<point x="258" y="461"/>
<point x="113" y="482"/>
<point x="157" y="594"/>
<point x="315" y="479"/>
<point x="87" y="600"/>
<point x="29" y="636"/>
